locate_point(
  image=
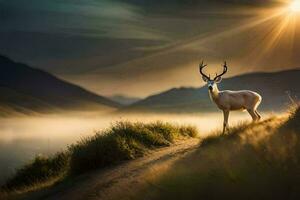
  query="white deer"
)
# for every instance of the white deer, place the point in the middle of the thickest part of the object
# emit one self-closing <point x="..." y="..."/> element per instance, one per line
<point x="227" y="100"/>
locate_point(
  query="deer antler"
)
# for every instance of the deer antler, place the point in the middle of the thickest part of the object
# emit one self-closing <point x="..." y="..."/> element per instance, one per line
<point x="201" y="66"/>
<point x="224" y="71"/>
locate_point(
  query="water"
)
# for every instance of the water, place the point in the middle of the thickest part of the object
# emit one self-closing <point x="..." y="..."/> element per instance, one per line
<point x="21" y="139"/>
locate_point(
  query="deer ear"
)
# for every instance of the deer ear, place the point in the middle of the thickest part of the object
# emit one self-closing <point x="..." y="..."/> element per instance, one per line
<point x="204" y="79"/>
<point x="218" y="79"/>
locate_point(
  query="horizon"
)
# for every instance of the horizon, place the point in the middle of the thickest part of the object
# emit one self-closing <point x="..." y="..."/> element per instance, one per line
<point x="115" y="95"/>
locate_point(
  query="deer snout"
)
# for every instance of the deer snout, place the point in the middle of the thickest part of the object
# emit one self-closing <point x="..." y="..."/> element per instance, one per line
<point x="210" y="88"/>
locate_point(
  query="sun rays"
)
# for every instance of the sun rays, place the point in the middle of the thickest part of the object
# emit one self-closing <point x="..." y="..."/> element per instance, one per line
<point x="279" y="34"/>
<point x="295" y="6"/>
<point x="274" y="36"/>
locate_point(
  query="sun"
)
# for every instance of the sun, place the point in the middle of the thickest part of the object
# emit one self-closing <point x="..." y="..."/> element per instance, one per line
<point x="295" y="6"/>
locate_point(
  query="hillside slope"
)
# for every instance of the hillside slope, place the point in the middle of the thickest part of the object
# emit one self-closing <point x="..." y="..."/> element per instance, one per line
<point x="272" y="86"/>
<point x="256" y="161"/>
<point x="25" y="89"/>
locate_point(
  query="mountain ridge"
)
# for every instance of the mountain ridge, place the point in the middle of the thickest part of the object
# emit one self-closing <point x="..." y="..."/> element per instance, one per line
<point x="26" y="88"/>
<point x="273" y="86"/>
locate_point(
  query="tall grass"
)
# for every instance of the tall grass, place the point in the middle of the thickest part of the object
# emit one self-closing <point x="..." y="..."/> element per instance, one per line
<point x="122" y="141"/>
<point x="234" y="132"/>
<point x="255" y="161"/>
<point x="39" y="170"/>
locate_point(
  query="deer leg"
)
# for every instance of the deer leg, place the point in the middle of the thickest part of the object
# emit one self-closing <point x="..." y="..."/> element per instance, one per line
<point x="253" y="114"/>
<point x="225" y="123"/>
<point x="258" y="115"/>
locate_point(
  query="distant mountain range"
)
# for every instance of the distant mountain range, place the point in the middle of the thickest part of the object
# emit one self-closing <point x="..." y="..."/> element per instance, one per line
<point x="272" y="86"/>
<point x="124" y="100"/>
<point x="24" y="89"/>
<point x="27" y="90"/>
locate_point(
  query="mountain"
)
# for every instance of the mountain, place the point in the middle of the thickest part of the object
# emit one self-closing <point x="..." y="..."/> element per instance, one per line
<point x="272" y="86"/>
<point x="124" y="100"/>
<point x="24" y="89"/>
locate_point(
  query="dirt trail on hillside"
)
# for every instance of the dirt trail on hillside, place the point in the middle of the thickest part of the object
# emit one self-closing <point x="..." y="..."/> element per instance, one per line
<point x="123" y="180"/>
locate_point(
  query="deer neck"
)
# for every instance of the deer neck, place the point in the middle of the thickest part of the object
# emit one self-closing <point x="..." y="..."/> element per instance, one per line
<point x="214" y="94"/>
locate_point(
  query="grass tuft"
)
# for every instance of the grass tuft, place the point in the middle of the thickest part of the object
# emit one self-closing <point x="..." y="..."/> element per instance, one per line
<point x="294" y="119"/>
<point x="39" y="170"/>
<point x="123" y="141"/>
<point x="233" y="132"/>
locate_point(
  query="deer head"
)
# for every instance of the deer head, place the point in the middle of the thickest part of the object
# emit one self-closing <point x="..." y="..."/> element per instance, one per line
<point x="211" y="83"/>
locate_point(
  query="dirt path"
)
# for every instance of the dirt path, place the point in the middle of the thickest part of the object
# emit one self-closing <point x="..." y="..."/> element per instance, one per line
<point x="120" y="181"/>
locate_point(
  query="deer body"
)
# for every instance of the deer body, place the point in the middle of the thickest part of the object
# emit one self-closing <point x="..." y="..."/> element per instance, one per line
<point x="228" y="100"/>
<point x="235" y="100"/>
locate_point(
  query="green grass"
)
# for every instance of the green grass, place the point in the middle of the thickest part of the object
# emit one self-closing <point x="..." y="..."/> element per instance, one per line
<point x="39" y="170"/>
<point x="122" y="141"/>
<point x="254" y="161"/>
<point x="234" y="132"/>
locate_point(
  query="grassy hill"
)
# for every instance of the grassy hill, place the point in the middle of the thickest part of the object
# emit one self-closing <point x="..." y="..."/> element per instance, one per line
<point x="24" y="89"/>
<point x="255" y="161"/>
<point x="121" y="142"/>
<point x="272" y="86"/>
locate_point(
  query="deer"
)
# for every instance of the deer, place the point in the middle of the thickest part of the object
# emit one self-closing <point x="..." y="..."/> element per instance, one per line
<point x="228" y="100"/>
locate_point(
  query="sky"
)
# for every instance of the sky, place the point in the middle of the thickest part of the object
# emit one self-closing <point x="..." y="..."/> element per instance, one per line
<point x="141" y="47"/>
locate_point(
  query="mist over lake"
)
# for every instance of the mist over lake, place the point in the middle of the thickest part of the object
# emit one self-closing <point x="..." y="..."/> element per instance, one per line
<point x="21" y="139"/>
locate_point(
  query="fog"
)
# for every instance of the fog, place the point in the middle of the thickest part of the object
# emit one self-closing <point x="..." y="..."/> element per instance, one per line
<point x="22" y="138"/>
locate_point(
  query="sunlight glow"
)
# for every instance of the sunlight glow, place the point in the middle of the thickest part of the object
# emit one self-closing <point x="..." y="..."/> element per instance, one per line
<point x="278" y="33"/>
<point x="295" y="6"/>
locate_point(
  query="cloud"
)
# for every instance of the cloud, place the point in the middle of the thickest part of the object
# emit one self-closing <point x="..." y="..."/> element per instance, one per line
<point x="147" y="3"/>
<point x="110" y="45"/>
<point x="58" y="31"/>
